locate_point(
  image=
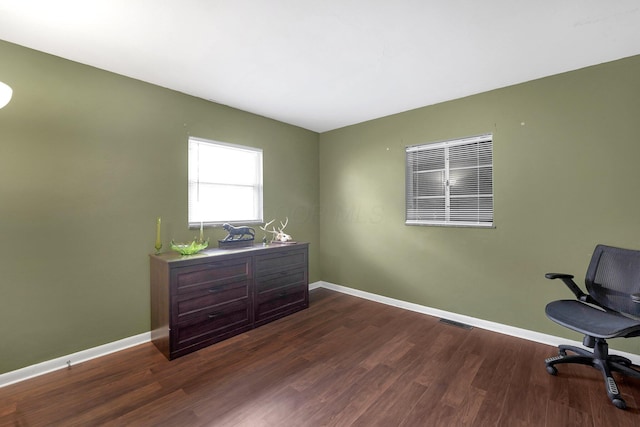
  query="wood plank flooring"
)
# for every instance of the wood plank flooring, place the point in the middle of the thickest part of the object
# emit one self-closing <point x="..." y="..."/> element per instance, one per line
<point x="343" y="362"/>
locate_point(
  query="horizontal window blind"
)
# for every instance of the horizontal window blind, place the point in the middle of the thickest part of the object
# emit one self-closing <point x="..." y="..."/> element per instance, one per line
<point x="450" y="183"/>
<point x="225" y="183"/>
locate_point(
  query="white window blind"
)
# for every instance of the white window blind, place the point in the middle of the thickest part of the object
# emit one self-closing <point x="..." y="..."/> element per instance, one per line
<point x="225" y="183"/>
<point x="450" y="183"/>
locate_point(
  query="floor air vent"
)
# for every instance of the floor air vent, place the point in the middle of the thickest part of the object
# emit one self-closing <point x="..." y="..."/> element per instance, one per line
<point x="456" y="324"/>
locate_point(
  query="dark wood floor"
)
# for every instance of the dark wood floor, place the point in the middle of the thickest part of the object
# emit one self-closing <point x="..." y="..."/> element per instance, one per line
<point x="344" y="361"/>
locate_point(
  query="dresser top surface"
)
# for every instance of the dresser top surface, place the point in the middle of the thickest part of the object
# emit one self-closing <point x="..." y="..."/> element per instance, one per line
<point x="212" y="253"/>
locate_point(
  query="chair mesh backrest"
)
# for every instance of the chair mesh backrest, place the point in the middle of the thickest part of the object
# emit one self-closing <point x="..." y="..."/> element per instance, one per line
<point x="613" y="275"/>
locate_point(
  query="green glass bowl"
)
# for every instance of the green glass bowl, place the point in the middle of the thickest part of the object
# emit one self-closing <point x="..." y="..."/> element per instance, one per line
<point x="189" y="248"/>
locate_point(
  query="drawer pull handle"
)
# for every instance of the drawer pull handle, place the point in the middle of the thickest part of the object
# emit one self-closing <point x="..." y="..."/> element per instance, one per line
<point x="215" y="315"/>
<point x="214" y="290"/>
<point x="282" y="294"/>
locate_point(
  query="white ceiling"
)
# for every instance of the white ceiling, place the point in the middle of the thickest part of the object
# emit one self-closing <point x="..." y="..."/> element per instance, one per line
<point x="325" y="64"/>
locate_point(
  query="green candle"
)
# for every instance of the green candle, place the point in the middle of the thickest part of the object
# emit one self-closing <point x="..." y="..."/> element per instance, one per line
<point x="158" y="240"/>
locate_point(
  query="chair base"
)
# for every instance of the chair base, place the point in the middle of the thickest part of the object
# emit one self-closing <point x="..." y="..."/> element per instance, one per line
<point x="599" y="359"/>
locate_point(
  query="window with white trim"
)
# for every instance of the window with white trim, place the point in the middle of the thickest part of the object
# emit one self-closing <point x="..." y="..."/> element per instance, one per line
<point x="225" y="183"/>
<point x="450" y="183"/>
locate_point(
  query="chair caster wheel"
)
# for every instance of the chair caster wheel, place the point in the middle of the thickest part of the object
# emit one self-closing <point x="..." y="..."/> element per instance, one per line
<point x="553" y="371"/>
<point x="619" y="403"/>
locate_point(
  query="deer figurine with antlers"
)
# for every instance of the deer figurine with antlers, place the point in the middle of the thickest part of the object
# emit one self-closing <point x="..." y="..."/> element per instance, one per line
<point x="280" y="235"/>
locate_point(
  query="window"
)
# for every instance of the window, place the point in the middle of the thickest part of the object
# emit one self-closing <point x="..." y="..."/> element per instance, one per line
<point x="225" y="183"/>
<point x="450" y="183"/>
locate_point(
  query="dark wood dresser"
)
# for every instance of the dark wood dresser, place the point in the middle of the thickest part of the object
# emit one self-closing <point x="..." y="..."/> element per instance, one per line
<point x="198" y="300"/>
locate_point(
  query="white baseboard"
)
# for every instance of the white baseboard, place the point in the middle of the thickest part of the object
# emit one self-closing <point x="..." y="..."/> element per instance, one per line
<point x="95" y="352"/>
<point x="480" y="323"/>
<point x="72" y="359"/>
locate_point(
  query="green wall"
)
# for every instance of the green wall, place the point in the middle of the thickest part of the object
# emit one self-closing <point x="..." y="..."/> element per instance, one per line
<point x="88" y="160"/>
<point x="566" y="176"/>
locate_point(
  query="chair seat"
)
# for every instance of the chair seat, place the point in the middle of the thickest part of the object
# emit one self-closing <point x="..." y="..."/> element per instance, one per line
<point x="586" y="319"/>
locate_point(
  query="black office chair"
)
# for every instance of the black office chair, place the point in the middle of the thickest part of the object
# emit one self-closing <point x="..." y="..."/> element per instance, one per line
<point x="611" y="310"/>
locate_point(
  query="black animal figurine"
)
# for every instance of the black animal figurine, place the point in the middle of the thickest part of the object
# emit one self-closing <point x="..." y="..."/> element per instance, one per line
<point x="238" y="233"/>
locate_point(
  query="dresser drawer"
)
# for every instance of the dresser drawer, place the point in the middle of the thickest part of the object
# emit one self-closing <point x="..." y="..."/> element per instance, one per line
<point x="205" y="276"/>
<point x="284" y="278"/>
<point x="204" y="299"/>
<point x="281" y="301"/>
<point x="280" y="260"/>
<point x="209" y="323"/>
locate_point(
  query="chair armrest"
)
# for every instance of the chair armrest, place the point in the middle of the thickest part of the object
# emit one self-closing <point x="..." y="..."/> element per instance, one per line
<point x="635" y="298"/>
<point x="568" y="280"/>
<point x="558" y="276"/>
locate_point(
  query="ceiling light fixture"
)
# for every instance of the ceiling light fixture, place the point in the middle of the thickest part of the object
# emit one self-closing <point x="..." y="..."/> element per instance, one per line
<point x="5" y="94"/>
